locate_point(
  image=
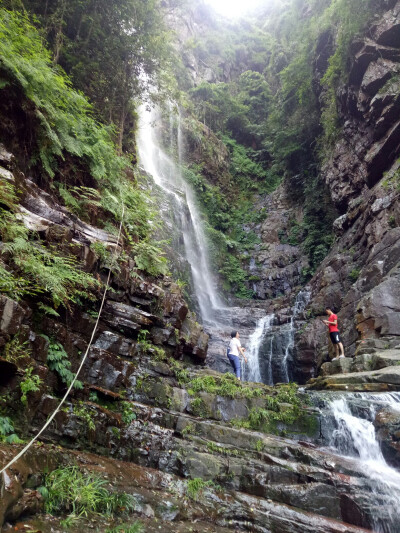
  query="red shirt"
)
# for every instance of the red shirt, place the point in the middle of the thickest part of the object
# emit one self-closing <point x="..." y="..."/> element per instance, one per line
<point x="332" y="327"/>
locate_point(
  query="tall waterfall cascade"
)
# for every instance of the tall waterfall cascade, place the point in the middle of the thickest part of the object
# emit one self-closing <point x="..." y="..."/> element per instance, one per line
<point x="168" y="176"/>
<point x="269" y="353"/>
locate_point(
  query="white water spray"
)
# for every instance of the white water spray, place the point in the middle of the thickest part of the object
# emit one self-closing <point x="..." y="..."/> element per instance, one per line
<point x="253" y="354"/>
<point x="300" y="303"/>
<point x="168" y="176"/>
<point x="356" y="437"/>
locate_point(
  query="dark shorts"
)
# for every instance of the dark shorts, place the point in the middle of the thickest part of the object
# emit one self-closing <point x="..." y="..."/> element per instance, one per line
<point x="335" y="337"/>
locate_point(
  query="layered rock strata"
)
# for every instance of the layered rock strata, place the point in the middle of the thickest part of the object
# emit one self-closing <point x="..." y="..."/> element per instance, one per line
<point x="360" y="276"/>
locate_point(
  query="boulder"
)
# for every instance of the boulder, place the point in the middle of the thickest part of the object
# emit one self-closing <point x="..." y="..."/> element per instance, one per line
<point x="11" y="315"/>
<point x="381" y="307"/>
<point x="387" y="425"/>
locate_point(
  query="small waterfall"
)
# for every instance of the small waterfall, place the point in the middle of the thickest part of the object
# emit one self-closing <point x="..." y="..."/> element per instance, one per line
<point x="355" y="437"/>
<point x="302" y="299"/>
<point x="254" y="351"/>
<point x="168" y="176"/>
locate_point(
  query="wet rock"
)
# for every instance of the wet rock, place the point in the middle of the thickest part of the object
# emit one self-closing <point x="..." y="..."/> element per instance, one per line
<point x="387" y="424"/>
<point x="387" y="32"/>
<point x="340" y="366"/>
<point x="11" y="315"/>
<point x="116" y="344"/>
<point x="377" y="74"/>
<point x="386" y="379"/>
<point x="193" y="339"/>
<point x="103" y="369"/>
<point x="382" y="307"/>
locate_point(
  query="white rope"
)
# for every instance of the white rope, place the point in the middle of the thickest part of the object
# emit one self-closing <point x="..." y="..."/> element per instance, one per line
<point x="24" y="450"/>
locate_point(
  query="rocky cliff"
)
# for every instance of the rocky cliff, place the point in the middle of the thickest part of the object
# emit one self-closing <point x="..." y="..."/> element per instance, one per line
<point x="360" y="276"/>
<point x="149" y="423"/>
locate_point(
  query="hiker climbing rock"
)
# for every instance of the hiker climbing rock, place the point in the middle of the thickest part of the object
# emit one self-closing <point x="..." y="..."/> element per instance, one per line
<point x="235" y="351"/>
<point x="332" y="324"/>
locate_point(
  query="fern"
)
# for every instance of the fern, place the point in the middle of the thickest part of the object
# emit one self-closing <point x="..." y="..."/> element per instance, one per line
<point x="65" y="115"/>
<point x="57" y="360"/>
<point x="53" y="273"/>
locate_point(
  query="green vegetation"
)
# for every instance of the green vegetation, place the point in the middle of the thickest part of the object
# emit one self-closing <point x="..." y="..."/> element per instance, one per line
<point x="30" y="383"/>
<point x="7" y="431"/>
<point x="80" y="494"/>
<point x="46" y="269"/>
<point x="64" y="114"/>
<point x="199" y="407"/>
<point x="225" y="385"/>
<point x="15" y="350"/>
<point x="57" y="360"/>
<point x="222" y="450"/>
<point x="354" y="275"/>
<point x="113" y="53"/>
<point x="196" y="487"/>
<point x="146" y="347"/>
<point x="277" y="117"/>
<point x="70" y="141"/>
<point x="82" y="411"/>
<point x="128" y="413"/>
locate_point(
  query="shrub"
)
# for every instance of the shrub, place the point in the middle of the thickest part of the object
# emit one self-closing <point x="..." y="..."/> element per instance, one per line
<point x="30" y="383"/>
<point x="7" y="431"/>
<point x="69" y="490"/>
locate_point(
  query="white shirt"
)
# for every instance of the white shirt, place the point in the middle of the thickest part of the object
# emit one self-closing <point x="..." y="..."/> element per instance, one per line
<point x="234" y="346"/>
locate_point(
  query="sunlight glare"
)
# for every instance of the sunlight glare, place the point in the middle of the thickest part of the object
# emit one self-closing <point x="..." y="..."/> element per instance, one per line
<point x="233" y="8"/>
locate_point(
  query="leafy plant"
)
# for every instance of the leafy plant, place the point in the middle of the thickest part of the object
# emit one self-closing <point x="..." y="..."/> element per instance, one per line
<point x="196" y="487"/>
<point x="7" y="431"/>
<point x="80" y="494"/>
<point x="354" y="274"/>
<point x="149" y="258"/>
<point x="57" y="275"/>
<point x="30" y="383"/>
<point x="15" y="350"/>
<point x="58" y="361"/>
<point x="16" y="287"/>
<point x="81" y="411"/>
<point x="128" y="412"/>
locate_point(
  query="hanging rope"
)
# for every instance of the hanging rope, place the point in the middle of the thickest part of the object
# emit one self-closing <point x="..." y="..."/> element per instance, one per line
<point x="50" y="419"/>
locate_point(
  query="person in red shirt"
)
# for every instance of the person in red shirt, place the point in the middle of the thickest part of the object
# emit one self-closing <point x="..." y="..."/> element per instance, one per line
<point x="334" y="333"/>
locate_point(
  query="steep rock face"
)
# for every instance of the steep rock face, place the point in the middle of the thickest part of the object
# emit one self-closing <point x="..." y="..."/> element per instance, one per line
<point x="277" y="265"/>
<point x="360" y="276"/>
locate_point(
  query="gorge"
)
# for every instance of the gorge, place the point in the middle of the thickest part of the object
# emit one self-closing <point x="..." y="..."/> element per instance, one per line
<point x="257" y="187"/>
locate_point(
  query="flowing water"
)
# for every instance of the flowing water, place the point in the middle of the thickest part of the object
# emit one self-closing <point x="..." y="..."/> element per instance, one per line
<point x="350" y="432"/>
<point x="255" y="351"/>
<point x="348" y="418"/>
<point x="181" y="208"/>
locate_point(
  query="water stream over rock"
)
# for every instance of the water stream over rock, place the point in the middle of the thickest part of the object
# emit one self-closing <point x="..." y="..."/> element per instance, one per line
<point x="180" y="210"/>
<point x="348" y="427"/>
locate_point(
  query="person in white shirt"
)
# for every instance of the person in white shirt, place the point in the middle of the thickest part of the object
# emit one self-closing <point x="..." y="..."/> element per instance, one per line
<point x="235" y="351"/>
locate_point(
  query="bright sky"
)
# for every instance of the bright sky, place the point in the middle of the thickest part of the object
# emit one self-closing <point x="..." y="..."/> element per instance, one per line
<point x="233" y="8"/>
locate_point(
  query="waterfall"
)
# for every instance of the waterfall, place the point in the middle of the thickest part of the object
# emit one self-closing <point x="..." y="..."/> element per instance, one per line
<point x="168" y="176"/>
<point x="254" y="351"/>
<point x="355" y="437"/>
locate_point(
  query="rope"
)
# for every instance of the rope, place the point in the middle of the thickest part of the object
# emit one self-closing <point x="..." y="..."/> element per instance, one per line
<point x="50" y="419"/>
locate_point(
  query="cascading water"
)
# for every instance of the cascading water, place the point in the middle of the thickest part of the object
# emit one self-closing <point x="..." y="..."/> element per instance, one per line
<point x="167" y="175"/>
<point x="300" y="303"/>
<point x="255" y="353"/>
<point x="354" y="436"/>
